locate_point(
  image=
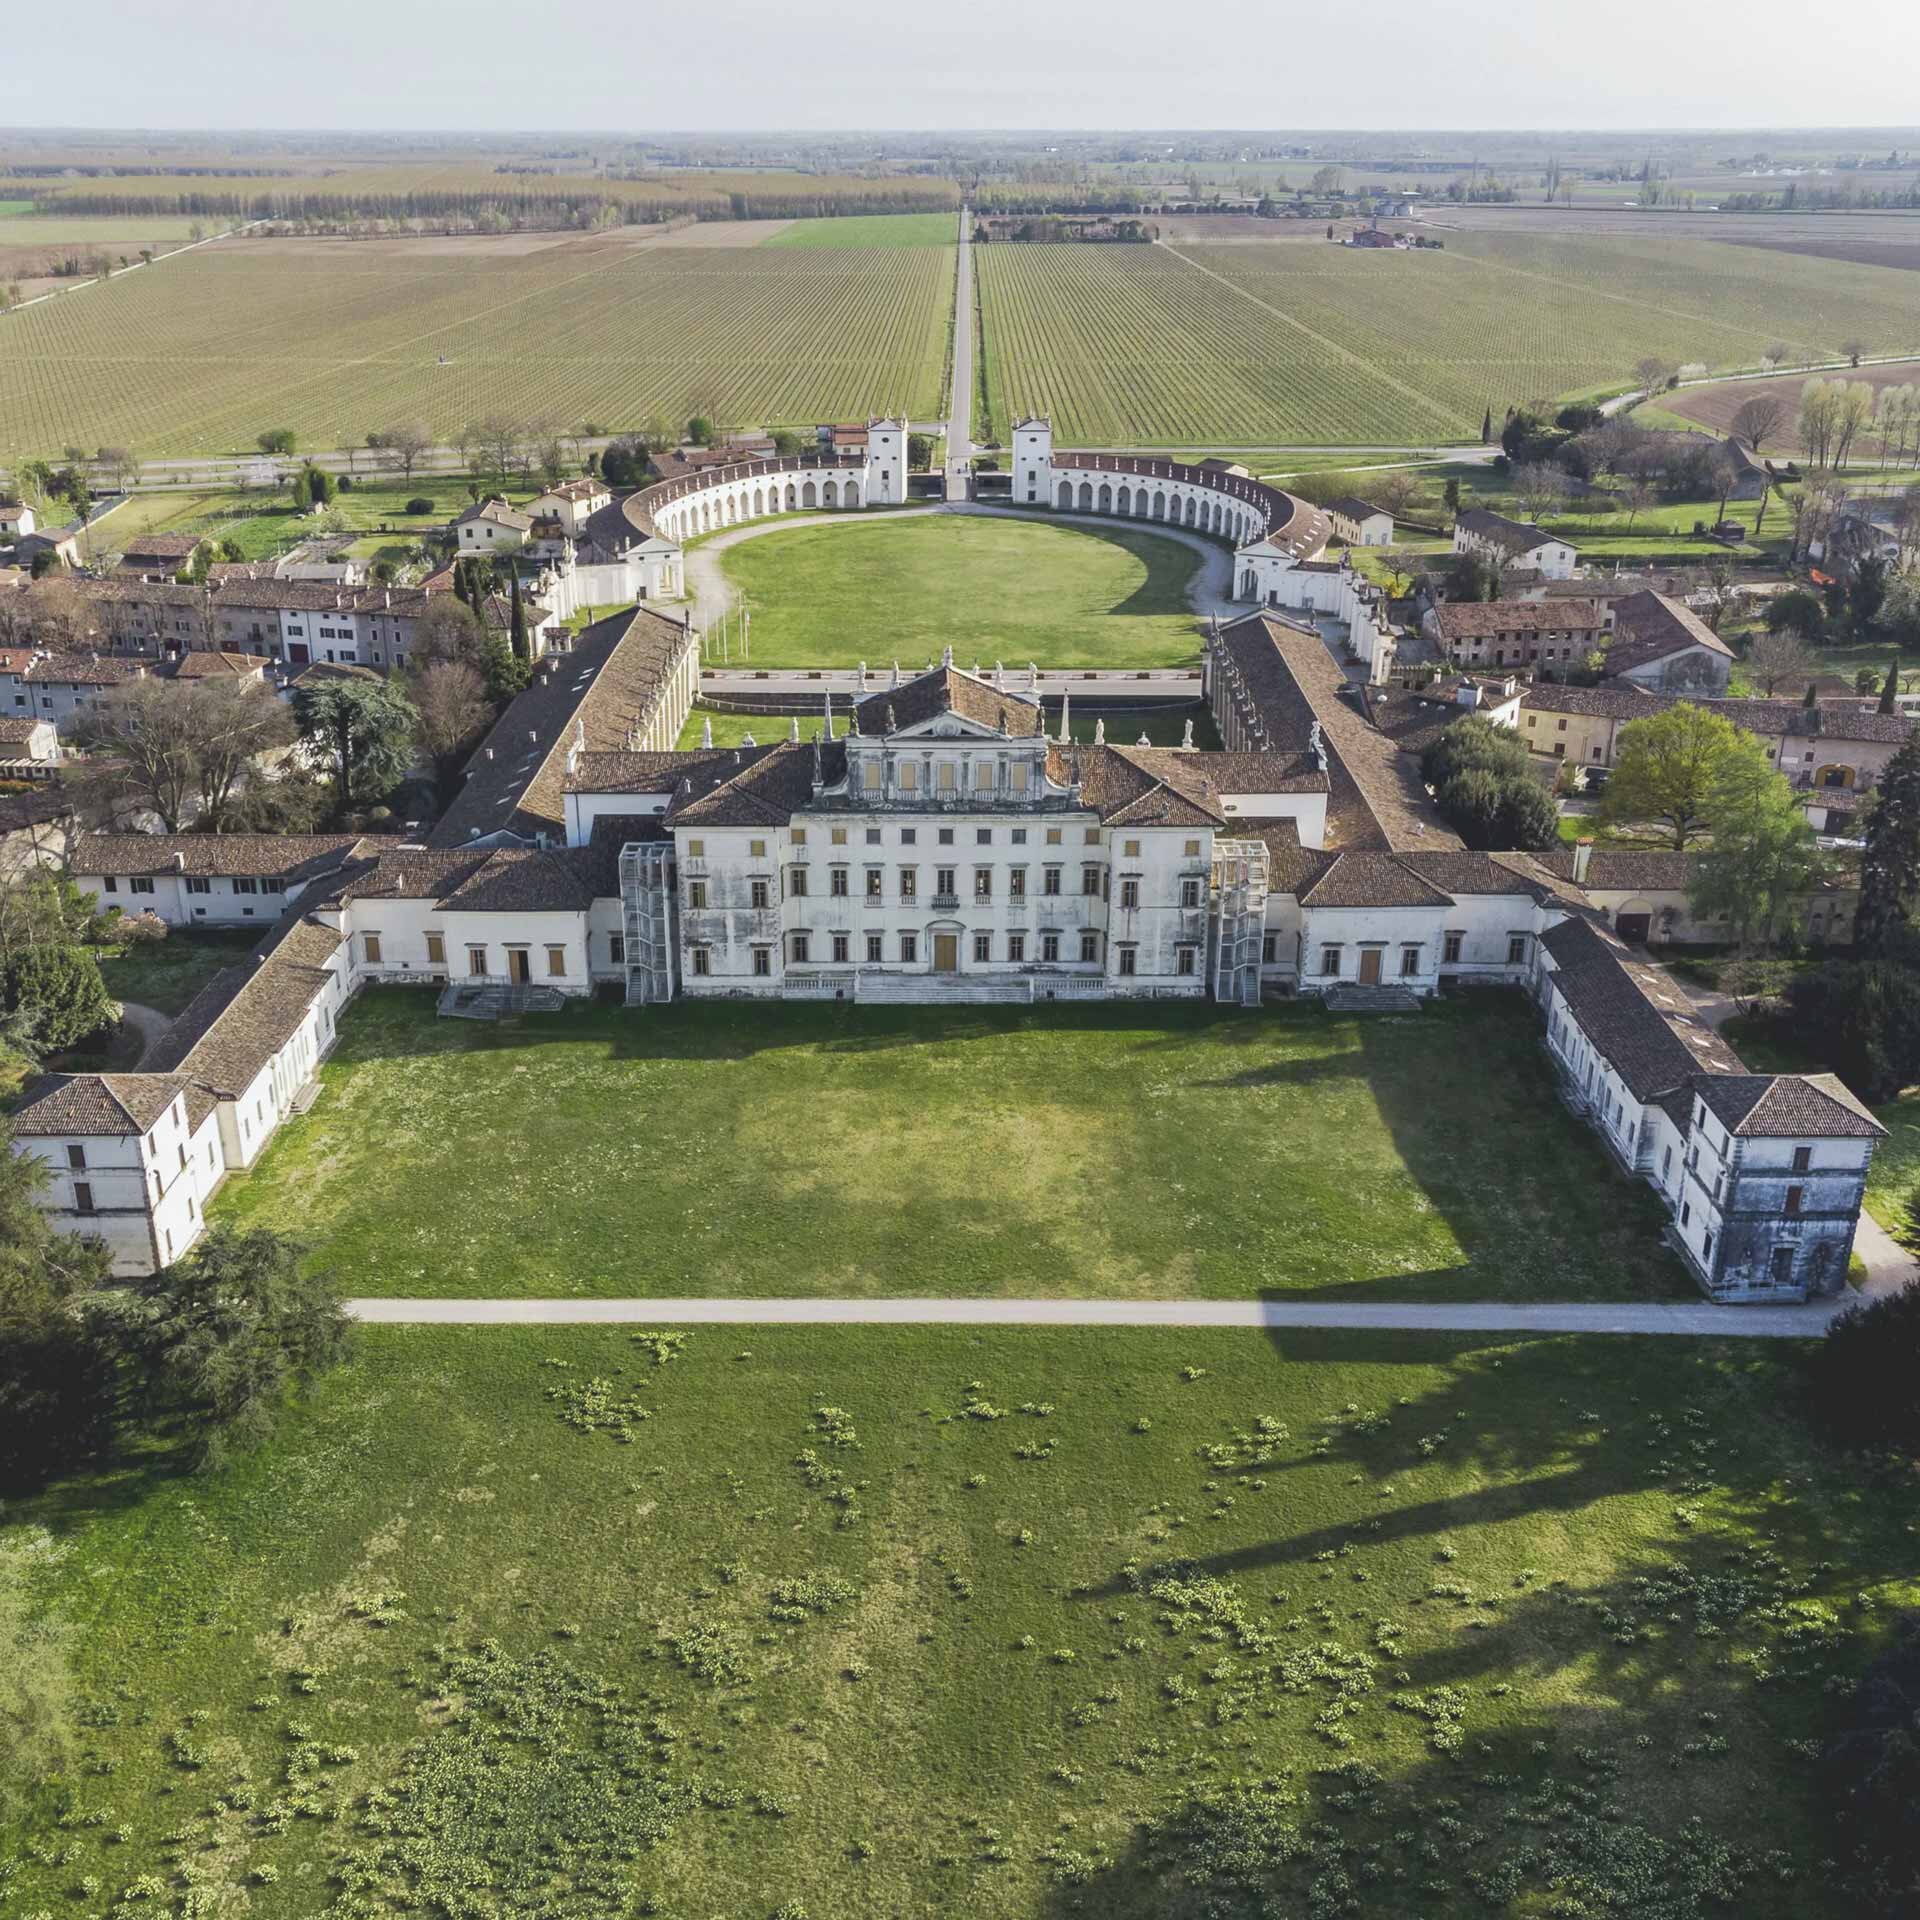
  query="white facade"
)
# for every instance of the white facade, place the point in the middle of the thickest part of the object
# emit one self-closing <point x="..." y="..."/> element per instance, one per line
<point x="1511" y="543"/>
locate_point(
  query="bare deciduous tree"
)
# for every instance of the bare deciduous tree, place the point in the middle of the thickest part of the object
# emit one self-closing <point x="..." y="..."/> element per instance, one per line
<point x="1539" y="487"/>
<point x="452" y="711"/>
<point x="236" y="722"/>
<point x="404" y="445"/>
<point x="1637" y="495"/>
<point x="1757" y="420"/>
<point x="1776" y="658"/>
<point x="1651" y="372"/>
<point x="143" y="755"/>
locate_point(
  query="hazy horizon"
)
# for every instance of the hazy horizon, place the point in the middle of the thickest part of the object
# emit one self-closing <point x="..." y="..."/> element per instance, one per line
<point x="486" y="67"/>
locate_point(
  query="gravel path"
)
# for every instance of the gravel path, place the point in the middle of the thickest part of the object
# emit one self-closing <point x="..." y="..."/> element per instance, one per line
<point x="1783" y="1323"/>
<point x="149" y="1022"/>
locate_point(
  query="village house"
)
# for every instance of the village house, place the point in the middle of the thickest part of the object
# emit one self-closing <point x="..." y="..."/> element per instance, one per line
<point x="16" y="518"/>
<point x="1360" y="523"/>
<point x="491" y="526"/>
<point x="1513" y="543"/>
<point x="29" y="746"/>
<point x="1665" y="647"/>
<point x="1556" y="636"/>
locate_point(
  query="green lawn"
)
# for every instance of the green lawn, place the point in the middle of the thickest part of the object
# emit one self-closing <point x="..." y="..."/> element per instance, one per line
<point x="886" y="1622"/>
<point x="1123" y="728"/>
<point x="168" y="973"/>
<point x="992" y="589"/>
<point x="870" y="230"/>
<point x="803" y="1149"/>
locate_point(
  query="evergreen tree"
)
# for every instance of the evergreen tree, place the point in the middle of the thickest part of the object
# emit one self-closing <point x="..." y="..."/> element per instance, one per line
<point x="1890" y="864"/>
<point x="1890" y="689"/>
<point x="517" y="628"/>
<point x="1812" y="698"/>
<point x="1486" y="428"/>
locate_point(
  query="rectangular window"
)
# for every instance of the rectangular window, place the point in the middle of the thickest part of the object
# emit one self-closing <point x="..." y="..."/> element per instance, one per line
<point x="109" y="885"/>
<point x="1192" y="849"/>
<point x="758" y="894"/>
<point x="1053" y="840"/>
<point x="1050" y="949"/>
<point x="702" y="961"/>
<point x="1793" y="1198"/>
<point x="1330" y="961"/>
<point x="1017" y="776"/>
<point x="196" y="885"/>
<point x="798" y="835"/>
<point x="617" y="949"/>
<point x="757" y="848"/>
<point x="1184" y="961"/>
<point x="1129" y="960"/>
<point x="1093" y="836"/>
<point x="242" y="885"/>
<point x="1782" y="1265"/>
<point x="1051" y="883"/>
<point x="837" y="883"/>
<point x="875" y="949"/>
<point x="1270" y="950"/>
<point x="873" y="836"/>
<point x="1189" y="893"/>
<point x="946" y="836"/>
<point x="763" y="961"/>
<point x="137" y="885"/>
<point x="983" y="781"/>
<point x="436" y="950"/>
<point x="982" y="948"/>
<point x="476" y="961"/>
<point x="838" y="835"/>
<point x="77" y="1157"/>
<point x="802" y="947"/>
<point x="1089" y="881"/>
<point x="1130" y="892"/>
<point x="876" y="882"/>
<point x="909" y="776"/>
<point x="909" y="949"/>
<point x="556" y="963"/>
<point x="944" y="883"/>
<point x="841" y="950"/>
<point x="696" y="895"/>
<point x="908" y="835"/>
<point x="696" y="849"/>
<point x="944" y="776"/>
<point x="1089" y="946"/>
<point x="1802" y="1159"/>
<point x="983" y="836"/>
<point x="983" y="883"/>
<point x="909" y="883"/>
<point x="1016" y="948"/>
<point x="1017" y="883"/>
<point x="1516" y="949"/>
<point x="870" y="775"/>
<point x="82" y="1196"/>
<point x="1409" y="960"/>
<point x="1450" y="949"/>
<point x="370" y="943"/>
<point x="797" y="883"/>
<point x="1131" y="849"/>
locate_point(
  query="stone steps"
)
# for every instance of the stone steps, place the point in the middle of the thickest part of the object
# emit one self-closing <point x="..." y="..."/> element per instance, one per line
<point x="1373" y="1000"/>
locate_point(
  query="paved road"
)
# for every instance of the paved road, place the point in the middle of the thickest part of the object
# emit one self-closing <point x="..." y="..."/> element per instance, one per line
<point x="1207" y="591"/>
<point x="1776" y="1323"/>
<point x="960" y="398"/>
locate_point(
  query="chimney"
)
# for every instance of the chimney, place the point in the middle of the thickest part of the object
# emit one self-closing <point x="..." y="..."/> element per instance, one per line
<point x="1466" y="694"/>
<point x="1582" y="860"/>
<point x="179" y="863"/>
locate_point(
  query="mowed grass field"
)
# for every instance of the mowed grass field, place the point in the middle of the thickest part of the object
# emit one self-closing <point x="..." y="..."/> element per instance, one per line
<point x="766" y="1149"/>
<point x="870" y="230"/>
<point x="202" y="354"/>
<point x="888" y="588"/>
<point x="1163" y="728"/>
<point x="858" y="1621"/>
<point x="1252" y="344"/>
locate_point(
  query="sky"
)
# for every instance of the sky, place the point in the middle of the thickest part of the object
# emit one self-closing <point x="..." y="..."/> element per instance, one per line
<point x="822" y="65"/>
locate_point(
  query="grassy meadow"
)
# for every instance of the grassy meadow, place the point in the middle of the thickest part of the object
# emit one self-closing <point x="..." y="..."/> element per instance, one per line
<point x="869" y="230"/>
<point x="993" y="589"/>
<point x="1163" y="729"/>
<point x="761" y="1149"/>
<point x="853" y="1621"/>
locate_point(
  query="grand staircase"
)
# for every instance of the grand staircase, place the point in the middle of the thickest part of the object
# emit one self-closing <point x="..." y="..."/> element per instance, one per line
<point x="477" y="999"/>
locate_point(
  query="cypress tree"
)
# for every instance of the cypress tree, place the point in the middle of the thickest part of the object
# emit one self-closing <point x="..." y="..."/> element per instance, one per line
<point x="517" y="631"/>
<point x="1486" y="428"/>
<point x="1892" y="686"/>
<point x="1810" y="701"/>
<point x="1890" y="863"/>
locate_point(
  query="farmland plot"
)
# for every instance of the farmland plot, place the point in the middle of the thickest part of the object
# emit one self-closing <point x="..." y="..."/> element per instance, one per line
<point x="202" y="355"/>
<point x="1255" y="345"/>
